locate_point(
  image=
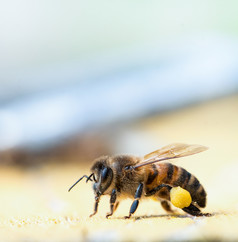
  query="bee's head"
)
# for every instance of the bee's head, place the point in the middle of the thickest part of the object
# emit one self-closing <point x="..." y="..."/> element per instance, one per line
<point x="103" y="175"/>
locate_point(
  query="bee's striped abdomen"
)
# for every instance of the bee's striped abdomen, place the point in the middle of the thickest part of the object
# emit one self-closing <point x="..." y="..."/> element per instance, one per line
<point x="152" y="175"/>
<point x="178" y="176"/>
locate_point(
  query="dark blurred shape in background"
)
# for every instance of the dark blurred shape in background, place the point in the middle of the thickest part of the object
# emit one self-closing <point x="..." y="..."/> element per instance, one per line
<point x="76" y="76"/>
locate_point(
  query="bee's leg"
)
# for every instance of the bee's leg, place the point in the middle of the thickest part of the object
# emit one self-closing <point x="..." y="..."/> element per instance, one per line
<point x="116" y="206"/>
<point x="166" y="206"/>
<point x="158" y="188"/>
<point x="113" y="206"/>
<point x="95" y="206"/>
<point x="195" y="211"/>
<point x="135" y="203"/>
<point x="163" y="192"/>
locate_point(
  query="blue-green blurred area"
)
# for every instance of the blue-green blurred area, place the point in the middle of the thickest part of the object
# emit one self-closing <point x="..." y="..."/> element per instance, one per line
<point x="76" y="69"/>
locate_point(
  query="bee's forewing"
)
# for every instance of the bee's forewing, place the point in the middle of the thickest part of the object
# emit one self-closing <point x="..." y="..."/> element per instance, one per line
<point x="171" y="151"/>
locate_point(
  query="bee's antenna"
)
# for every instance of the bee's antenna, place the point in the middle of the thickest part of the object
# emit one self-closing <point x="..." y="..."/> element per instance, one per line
<point x="88" y="178"/>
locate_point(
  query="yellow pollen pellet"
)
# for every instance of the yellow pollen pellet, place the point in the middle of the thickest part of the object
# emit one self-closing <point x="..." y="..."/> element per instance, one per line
<point x="180" y="197"/>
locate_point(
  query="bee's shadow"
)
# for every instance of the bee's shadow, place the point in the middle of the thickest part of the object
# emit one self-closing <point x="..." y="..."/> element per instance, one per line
<point x="168" y="216"/>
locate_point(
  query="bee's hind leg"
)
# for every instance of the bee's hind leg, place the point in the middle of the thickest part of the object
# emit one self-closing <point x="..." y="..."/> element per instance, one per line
<point x="195" y="211"/>
<point x="162" y="192"/>
<point x="192" y="210"/>
<point x="166" y="206"/>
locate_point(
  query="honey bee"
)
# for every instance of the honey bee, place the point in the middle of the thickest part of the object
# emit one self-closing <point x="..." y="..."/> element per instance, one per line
<point x="125" y="176"/>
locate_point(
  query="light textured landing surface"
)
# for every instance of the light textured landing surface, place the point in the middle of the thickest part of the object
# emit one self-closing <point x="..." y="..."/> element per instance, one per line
<point x="36" y="206"/>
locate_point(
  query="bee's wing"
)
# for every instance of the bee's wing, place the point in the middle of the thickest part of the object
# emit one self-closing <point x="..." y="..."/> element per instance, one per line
<point x="171" y="151"/>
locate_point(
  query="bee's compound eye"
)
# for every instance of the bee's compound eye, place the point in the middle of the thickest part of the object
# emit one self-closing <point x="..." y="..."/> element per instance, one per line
<point x="104" y="174"/>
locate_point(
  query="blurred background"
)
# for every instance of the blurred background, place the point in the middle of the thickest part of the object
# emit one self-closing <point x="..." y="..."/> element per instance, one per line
<point x="80" y="79"/>
<point x="76" y="76"/>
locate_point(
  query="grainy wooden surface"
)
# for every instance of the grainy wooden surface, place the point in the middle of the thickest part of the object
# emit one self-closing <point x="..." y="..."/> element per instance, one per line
<point x="35" y="204"/>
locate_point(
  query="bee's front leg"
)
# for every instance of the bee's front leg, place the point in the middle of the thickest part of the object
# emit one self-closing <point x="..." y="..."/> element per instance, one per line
<point x="135" y="203"/>
<point x="95" y="206"/>
<point x="113" y="206"/>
